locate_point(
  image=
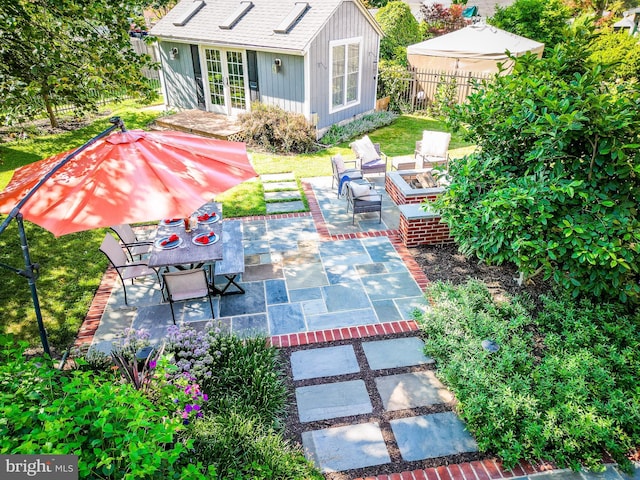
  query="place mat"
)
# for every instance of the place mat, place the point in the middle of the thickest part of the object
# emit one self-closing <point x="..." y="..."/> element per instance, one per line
<point x="169" y="242"/>
<point x="205" y="239"/>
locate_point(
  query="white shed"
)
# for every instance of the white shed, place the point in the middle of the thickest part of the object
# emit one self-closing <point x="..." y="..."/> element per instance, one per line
<point x="476" y="48"/>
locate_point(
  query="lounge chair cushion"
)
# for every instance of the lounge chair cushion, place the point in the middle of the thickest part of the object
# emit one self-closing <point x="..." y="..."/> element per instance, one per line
<point x="359" y="190"/>
<point x="339" y="162"/>
<point x="366" y="150"/>
<point x="435" y="144"/>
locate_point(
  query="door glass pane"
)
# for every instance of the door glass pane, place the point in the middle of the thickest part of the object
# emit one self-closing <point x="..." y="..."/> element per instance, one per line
<point x="215" y="77"/>
<point x="236" y="80"/>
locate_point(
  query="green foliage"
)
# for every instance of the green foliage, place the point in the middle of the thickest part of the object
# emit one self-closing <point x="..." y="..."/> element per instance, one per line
<point x="116" y="431"/>
<point x="242" y="448"/>
<point x="400" y="29"/>
<point x="439" y="20"/>
<point x="541" y="20"/>
<point x="65" y="51"/>
<point x="561" y="388"/>
<point x="240" y="434"/>
<point x="620" y="50"/>
<point x="367" y="123"/>
<point x="554" y="185"/>
<point x="275" y="130"/>
<point x="393" y="82"/>
<point x="445" y="97"/>
<point x="241" y="374"/>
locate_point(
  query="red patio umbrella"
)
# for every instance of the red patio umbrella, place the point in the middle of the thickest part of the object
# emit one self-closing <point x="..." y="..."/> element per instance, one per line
<point x="127" y="177"/>
<point x="114" y="178"/>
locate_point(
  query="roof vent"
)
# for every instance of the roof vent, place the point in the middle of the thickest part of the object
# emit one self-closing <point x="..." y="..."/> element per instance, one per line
<point x="299" y="9"/>
<point x="193" y="9"/>
<point x="235" y="17"/>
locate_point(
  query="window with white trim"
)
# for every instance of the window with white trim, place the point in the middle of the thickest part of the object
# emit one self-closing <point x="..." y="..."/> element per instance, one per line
<point x="345" y="73"/>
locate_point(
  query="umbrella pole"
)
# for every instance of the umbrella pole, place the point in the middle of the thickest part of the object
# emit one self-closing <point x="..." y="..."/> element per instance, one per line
<point x="31" y="272"/>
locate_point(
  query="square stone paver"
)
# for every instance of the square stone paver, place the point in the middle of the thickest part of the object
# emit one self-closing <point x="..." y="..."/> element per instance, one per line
<point x="332" y="400"/>
<point x="305" y="276"/>
<point x="394" y="353"/>
<point x="343" y="296"/>
<point x="345" y="448"/>
<point x="324" y="362"/>
<point x="431" y="436"/>
<point x="411" y="390"/>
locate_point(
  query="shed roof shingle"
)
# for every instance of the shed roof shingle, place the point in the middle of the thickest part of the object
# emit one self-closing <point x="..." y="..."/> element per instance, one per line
<point x="255" y="29"/>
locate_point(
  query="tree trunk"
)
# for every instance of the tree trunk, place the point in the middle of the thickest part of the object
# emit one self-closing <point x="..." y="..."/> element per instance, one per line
<point x="50" y="113"/>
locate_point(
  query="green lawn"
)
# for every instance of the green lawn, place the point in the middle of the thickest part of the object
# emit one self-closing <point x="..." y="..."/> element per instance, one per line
<point x="72" y="266"/>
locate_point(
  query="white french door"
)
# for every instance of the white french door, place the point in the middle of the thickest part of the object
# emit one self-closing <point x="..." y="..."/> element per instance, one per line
<point x="226" y="81"/>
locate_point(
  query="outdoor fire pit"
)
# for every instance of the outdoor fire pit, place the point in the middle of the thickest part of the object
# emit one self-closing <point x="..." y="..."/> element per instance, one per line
<point x="414" y="186"/>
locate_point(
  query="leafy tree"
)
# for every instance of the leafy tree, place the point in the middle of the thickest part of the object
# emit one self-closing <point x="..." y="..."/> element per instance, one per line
<point x="620" y="50"/>
<point x="63" y="52"/>
<point x="400" y="29"/>
<point x="375" y="3"/>
<point x="541" y="20"/>
<point x="439" y="20"/>
<point x="555" y="183"/>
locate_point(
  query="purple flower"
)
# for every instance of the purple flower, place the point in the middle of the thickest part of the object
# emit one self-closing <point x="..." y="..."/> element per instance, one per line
<point x="196" y="407"/>
<point x="152" y="364"/>
<point x="205" y="397"/>
<point x="188" y="408"/>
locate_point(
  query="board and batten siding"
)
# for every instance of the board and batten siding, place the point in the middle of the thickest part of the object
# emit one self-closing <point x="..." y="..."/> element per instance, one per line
<point x="178" y="76"/>
<point x="347" y="22"/>
<point x="283" y="88"/>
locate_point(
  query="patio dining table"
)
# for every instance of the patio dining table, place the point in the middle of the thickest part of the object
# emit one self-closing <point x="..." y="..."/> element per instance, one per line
<point x="189" y="252"/>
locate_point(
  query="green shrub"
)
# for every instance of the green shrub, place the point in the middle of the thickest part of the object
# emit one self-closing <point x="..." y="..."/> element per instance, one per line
<point x="240" y="447"/>
<point x="273" y="129"/>
<point x="116" y="431"/>
<point x="553" y="186"/>
<point x="400" y="29"/>
<point x="562" y="387"/>
<point x="238" y="374"/>
<point x="393" y="82"/>
<point x="367" y="123"/>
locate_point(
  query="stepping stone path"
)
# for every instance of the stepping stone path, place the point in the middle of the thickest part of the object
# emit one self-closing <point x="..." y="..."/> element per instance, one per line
<point x="281" y="193"/>
<point x="366" y="413"/>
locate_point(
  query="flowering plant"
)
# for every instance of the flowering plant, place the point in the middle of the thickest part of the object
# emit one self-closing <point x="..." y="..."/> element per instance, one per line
<point x="191" y="397"/>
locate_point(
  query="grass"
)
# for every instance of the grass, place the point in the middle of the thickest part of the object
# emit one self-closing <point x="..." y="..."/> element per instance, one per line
<point x="72" y="266"/>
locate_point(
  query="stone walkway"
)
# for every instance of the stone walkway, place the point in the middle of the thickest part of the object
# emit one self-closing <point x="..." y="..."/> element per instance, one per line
<point x="389" y="411"/>
<point x="281" y="193"/>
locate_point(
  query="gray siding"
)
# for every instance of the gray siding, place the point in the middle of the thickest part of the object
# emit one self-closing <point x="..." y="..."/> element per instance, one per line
<point x="348" y="22"/>
<point x="284" y="88"/>
<point x="178" y="76"/>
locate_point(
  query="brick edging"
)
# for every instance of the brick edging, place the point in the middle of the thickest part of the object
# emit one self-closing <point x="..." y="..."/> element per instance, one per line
<point x="343" y="333"/>
<point x="491" y="469"/>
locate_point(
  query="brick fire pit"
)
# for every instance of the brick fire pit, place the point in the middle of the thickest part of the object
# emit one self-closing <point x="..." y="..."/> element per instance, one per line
<point x="417" y="226"/>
